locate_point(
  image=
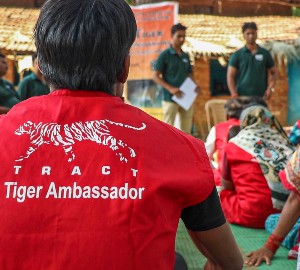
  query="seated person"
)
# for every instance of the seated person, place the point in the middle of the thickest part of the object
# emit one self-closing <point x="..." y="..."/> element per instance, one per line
<point x="251" y="187"/>
<point x="289" y="217"/>
<point x="217" y="137"/>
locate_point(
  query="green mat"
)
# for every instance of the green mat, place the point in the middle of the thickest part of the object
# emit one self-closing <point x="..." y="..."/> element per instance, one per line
<point x="247" y="239"/>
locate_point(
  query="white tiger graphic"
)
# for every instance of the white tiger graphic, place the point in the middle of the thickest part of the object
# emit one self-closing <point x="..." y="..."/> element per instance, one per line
<point x="66" y="136"/>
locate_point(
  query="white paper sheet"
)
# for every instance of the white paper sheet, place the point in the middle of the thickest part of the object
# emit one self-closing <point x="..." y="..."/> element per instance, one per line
<point x="188" y="88"/>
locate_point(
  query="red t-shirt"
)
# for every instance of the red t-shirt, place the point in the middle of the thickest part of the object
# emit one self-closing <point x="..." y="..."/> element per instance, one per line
<point x="89" y="182"/>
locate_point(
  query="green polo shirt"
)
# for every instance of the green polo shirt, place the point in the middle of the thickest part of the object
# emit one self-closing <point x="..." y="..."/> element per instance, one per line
<point x="8" y="95"/>
<point x="32" y="86"/>
<point x="175" y="69"/>
<point x="252" y="79"/>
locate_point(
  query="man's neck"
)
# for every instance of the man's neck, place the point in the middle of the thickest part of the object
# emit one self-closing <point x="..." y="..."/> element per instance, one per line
<point x="177" y="49"/>
<point x="252" y="47"/>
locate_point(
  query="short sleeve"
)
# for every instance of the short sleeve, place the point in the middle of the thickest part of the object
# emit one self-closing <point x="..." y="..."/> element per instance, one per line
<point x="204" y="216"/>
<point x="234" y="60"/>
<point x="159" y="65"/>
<point x="270" y="61"/>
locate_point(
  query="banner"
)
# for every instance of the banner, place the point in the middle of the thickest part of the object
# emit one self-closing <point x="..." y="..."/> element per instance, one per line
<point x="154" y="22"/>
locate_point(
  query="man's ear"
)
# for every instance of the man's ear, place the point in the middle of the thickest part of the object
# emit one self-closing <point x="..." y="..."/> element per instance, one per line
<point x="38" y="65"/>
<point x="125" y="70"/>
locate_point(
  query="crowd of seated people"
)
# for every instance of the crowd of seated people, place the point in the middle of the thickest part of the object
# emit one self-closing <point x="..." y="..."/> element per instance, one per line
<point x="250" y="152"/>
<point x="252" y="159"/>
<point x="285" y="228"/>
<point x="259" y="171"/>
<point x="218" y="135"/>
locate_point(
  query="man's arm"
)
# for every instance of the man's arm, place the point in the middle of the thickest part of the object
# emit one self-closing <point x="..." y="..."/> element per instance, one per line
<point x="231" y="75"/>
<point x="211" y="234"/>
<point x="271" y="84"/>
<point x="288" y="217"/>
<point x="219" y="247"/>
<point x="159" y="80"/>
<point x="210" y="144"/>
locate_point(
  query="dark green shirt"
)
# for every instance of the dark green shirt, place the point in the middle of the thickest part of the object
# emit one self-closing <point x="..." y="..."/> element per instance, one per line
<point x="252" y="78"/>
<point x="174" y="68"/>
<point x="32" y="86"/>
<point x="8" y="95"/>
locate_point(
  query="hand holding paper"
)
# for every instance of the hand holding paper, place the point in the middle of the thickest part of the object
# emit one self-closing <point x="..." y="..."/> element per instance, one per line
<point x="188" y="88"/>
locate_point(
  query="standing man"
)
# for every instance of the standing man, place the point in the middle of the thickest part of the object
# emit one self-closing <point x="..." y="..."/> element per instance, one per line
<point x="8" y="95"/>
<point x="33" y="84"/>
<point x="93" y="183"/>
<point x="171" y="69"/>
<point x="250" y="66"/>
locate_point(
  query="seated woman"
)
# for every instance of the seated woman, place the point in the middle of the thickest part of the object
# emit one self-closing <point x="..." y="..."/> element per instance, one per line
<point x="251" y="187"/>
<point x="217" y="137"/>
<point x="289" y="217"/>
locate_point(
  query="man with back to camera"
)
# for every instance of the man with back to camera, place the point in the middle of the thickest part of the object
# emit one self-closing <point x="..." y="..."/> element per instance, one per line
<point x="171" y="69"/>
<point x="33" y="84"/>
<point x="249" y="67"/>
<point x="8" y="95"/>
<point x="93" y="183"/>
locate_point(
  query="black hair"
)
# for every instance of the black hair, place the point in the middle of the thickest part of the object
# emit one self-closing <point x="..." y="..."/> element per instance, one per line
<point x="83" y="44"/>
<point x="249" y="25"/>
<point x="2" y="55"/>
<point x="234" y="107"/>
<point x="34" y="56"/>
<point x="256" y="100"/>
<point x="177" y="27"/>
<point x="233" y="131"/>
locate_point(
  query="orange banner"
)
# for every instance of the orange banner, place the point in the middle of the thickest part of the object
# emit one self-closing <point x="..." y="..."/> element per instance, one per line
<point x="154" y="22"/>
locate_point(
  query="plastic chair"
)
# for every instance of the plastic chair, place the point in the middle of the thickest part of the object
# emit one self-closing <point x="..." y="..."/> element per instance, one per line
<point x="215" y="112"/>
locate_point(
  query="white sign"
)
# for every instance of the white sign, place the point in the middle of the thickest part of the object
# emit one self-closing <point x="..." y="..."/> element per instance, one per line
<point x="189" y="95"/>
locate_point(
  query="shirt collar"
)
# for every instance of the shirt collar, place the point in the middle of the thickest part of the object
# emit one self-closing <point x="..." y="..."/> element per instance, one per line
<point x="172" y="51"/>
<point x="245" y="49"/>
<point x="81" y="93"/>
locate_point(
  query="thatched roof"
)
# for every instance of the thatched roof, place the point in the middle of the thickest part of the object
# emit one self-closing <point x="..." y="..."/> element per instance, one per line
<point x="16" y="28"/>
<point x="206" y="34"/>
<point x="222" y="35"/>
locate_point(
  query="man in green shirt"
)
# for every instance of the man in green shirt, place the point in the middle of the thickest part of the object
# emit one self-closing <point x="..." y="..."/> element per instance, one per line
<point x="171" y="69"/>
<point x="249" y="68"/>
<point x="33" y="84"/>
<point x="8" y="95"/>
